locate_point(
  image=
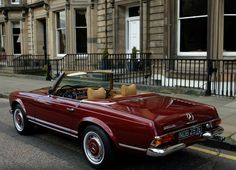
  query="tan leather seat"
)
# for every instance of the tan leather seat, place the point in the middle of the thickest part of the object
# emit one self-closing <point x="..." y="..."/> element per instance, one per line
<point x="127" y="90"/>
<point x="96" y="94"/>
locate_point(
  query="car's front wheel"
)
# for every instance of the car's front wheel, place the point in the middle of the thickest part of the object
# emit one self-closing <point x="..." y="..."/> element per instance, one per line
<point x="97" y="147"/>
<point x="20" y="121"/>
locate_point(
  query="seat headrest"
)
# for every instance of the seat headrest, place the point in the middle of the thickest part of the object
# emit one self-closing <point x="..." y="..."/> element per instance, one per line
<point x="96" y="94"/>
<point x="127" y="90"/>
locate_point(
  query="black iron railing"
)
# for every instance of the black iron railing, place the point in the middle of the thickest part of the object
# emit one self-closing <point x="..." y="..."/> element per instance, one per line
<point x="216" y="77"/>
<point x="223" y="76"/>
<point x="6" y="60"/>
<point x="96" y="61"/>
<point x="28" y="63"/>
<point x="23" y="63"/>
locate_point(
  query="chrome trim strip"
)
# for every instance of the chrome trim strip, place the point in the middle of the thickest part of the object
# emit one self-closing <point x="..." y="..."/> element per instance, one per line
<point x="53" y="128"/>
<point x="51" y="124"/>
<point x="137" y="98"/>
<point x="97" y="102"/>
<point x="132" y="147"/>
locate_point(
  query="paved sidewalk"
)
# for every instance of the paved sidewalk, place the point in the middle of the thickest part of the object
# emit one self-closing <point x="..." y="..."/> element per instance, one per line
<point x="9" y="83"/>
<point x="226" y="106"/>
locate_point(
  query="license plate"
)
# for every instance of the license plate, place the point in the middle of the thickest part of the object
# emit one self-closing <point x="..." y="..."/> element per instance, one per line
<point x="193" y="131"/>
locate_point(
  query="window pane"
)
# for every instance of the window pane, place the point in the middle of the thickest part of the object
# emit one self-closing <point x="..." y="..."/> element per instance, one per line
<point x="230" y="7"/>
<point x="16" y="30"/>
<point x="81" y="40"/>
<point x="80" y="19"/>
<point x="193" y="8"/>
<point x="193" y="35"/>
<point x="3" y="29"/>
<point x="61" y="32"/>
<point x="1" y="40"/>
<point x="2" y="33"/>
<point x="81" y="31"/>
<point x="230" y="33"/>
<point x="16" y="38"/>
<point x="61" y="19"/>
<point x="62" y="41"/>
<point x="134" y="11"/>
<point x="17" y="46"/>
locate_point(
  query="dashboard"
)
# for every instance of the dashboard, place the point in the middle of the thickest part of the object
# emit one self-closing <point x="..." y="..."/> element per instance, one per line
<point x="72" y="92"/>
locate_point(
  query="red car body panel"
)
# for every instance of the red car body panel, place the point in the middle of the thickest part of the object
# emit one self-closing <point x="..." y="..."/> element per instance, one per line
<point x="132" y="121"/>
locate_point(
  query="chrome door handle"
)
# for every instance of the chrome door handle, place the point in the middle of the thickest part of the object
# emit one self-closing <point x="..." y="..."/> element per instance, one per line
<point x="70" y="109"/>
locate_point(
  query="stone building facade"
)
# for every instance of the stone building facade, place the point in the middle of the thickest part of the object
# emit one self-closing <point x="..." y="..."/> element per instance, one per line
<point x="165" y="28"/>
<point x="82" y="26"/>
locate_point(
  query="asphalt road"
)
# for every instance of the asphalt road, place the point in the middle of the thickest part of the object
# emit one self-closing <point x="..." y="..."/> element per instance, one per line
<point x="47" y="150"/>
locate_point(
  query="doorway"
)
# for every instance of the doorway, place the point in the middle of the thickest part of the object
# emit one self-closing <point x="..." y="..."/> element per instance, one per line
<point x="132" y="29"/>
<point x="41" y="37"/>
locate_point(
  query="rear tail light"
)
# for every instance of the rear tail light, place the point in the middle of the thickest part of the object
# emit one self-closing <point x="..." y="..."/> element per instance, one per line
<point x="162" y="140"/>
<point x="216" y="122"/>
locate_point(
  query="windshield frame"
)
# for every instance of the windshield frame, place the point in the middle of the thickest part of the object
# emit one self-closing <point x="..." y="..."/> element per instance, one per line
<point x="57" y="84"/>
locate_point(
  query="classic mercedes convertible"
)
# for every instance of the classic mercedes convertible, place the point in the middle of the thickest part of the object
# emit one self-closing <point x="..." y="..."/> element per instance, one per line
<point x="108" y="120"/>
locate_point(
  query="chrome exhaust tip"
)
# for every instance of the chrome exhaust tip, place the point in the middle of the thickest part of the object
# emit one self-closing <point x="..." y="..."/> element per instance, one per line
<point x="207" y="135"/>
<point x="219" y="138"/>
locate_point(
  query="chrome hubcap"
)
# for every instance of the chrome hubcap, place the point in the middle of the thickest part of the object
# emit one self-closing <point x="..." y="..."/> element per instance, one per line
<point x="94" y="148"/>
<point x="18" y="120"/>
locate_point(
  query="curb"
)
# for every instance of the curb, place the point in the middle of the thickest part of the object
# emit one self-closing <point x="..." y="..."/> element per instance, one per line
<point x="219" y="145"/>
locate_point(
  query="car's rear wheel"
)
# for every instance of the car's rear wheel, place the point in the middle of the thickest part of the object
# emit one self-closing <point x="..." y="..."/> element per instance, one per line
<point x="97" y="147"/>
<point x="20" y="121"/>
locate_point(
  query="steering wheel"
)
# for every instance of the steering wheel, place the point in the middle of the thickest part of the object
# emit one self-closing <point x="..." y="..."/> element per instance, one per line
<point x="66" y="87"/>
<point x="70" y="94"/>
<point x="62" y="90"/>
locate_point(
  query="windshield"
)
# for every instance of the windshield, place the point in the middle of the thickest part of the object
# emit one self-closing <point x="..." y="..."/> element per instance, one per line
<point x="86" y="79"/>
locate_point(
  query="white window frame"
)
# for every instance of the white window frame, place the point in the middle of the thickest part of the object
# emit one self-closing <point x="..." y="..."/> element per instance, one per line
<point x="229" y="53"/>
<point x="192" y="53"/>
<point x="17" y="2"/>
<point x="57" y="36"/>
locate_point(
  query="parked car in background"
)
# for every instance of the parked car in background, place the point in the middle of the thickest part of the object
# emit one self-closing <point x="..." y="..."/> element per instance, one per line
<point x="107" y="120"/>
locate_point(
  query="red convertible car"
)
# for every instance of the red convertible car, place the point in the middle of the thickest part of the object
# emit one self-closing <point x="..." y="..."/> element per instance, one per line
<point x="108" y="120"/>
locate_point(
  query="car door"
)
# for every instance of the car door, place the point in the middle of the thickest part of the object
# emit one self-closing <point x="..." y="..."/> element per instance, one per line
<point x="57" y="113"/>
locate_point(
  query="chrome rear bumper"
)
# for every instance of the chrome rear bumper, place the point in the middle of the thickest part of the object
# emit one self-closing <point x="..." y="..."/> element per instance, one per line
<point x="213" y="133"/>
<point x="158" y="152"/>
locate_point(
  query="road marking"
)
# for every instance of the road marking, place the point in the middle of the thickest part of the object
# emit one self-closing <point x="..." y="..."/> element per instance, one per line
<point x="222" y="155"/>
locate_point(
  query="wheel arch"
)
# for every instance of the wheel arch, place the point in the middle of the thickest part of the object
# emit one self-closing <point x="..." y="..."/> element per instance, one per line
<point x="94" y="121"/>
<point x="16" y="102"/>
